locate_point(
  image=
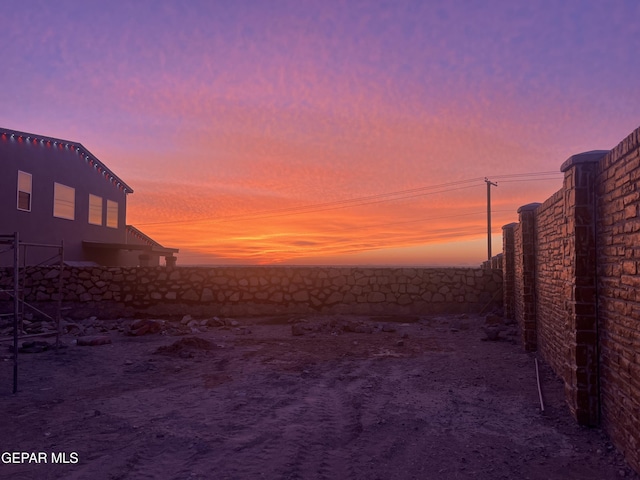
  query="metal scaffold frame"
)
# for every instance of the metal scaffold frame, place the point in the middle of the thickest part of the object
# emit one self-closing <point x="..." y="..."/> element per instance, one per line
<point x="12" y="243"/>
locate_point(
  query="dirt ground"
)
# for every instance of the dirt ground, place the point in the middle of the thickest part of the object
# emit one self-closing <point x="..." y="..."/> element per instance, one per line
<point x="344" y="398"/>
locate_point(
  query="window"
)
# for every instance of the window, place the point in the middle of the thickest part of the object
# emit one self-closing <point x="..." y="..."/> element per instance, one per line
<point x="112" y="214"/>
<point x="24" y="191"/>
<point x="64" y="201"/>
<point x="95" y="210"/>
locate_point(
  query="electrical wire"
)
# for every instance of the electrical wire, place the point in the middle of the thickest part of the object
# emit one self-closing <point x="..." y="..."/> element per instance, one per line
<point x="360" y="201"/>
<point x="346" y="203"/>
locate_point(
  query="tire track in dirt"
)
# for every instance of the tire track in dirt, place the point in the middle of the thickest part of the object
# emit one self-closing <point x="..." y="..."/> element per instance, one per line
<point x="413" y="403"/>
<point x="301" y="435"/>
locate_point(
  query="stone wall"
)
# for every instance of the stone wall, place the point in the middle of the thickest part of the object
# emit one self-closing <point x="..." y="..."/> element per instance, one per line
<point x="525" y="269"/>
<point x="553" y="283"/>
<point x="618" y="308"/>
<point x="508" y="266"/>
<point x="236" y="291"/>
<point x="575" y="280"/>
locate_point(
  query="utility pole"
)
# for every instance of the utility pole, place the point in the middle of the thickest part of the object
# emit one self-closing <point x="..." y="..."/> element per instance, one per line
<point x="489" y="184"/>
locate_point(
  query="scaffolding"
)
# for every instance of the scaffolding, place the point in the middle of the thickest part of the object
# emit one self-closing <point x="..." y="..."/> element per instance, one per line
<point x="15" y="291"/>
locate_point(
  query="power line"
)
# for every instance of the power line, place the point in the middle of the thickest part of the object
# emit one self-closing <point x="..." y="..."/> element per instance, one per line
<point x="353" y="202"/>
<point x="358" y="201"/>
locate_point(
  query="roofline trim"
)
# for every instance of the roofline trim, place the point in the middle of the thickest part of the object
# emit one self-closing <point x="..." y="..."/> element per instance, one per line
<point x="89" y="157"/>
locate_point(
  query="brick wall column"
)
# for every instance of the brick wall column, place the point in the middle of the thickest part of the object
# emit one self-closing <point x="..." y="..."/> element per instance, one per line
<point x="526" y="314"/>
<point x="508" y="270"/>
<point x="582" y="391"/>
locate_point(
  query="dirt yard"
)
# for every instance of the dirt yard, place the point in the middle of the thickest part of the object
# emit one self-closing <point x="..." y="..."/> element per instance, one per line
<point x="343" y="398"/>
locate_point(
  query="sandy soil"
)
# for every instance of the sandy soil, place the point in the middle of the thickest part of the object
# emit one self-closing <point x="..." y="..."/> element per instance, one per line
<point x="398" y="398"/>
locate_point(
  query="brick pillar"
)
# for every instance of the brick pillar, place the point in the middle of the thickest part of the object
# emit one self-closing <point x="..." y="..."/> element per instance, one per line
<point x="508" y="270"/>
<point x="525" y="265"/>
<point x="581" y="387"/>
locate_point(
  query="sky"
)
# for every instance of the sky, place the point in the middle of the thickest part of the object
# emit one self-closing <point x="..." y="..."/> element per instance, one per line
<point x="325" y="132"/>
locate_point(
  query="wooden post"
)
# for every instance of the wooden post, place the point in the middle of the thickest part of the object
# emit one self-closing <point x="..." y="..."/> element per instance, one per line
<point x="489" y="184"/>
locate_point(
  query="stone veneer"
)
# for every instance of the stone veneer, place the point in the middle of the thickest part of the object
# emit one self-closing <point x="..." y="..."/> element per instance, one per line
<point x="270" y="290"/>
<point x="618" y="293"/>
<point x="575" y="280"/>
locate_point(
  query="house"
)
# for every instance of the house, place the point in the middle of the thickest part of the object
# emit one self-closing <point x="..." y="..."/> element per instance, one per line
<point x="55" y="191"/>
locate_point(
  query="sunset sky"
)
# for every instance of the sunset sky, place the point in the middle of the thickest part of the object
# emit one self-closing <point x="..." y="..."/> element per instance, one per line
<point x="325" y="132"/>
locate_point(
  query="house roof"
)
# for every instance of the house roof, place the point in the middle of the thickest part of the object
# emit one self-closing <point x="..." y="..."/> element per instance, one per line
<point x="90" y="159"/>
<point x="160" y="250"/>
<point x="131" y="230"/>
<point x="149" y="245"/>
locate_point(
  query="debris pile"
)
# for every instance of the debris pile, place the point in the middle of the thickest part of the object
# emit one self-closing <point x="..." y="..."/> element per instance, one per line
<point x="495" y="325"/>
<point x="187" y="347"/>
<point x="28" y="326"/>
<point x="33" y="346"/>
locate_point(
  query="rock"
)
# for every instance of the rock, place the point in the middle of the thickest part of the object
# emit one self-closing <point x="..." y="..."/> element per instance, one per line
<point x="376" y="297"/>
<point x="492" y="332"/>
<point x="91" y="331"/>
<point x="136" y="324"/>
<point x="363" y="329"/>
<point x="91" y="341"/>
<point x="186" y="319"/>
<point x="35" y="346"/>
<point x="144" y="326"/>
<point x="73" y="328"/>
<point x="388" y="328"/>
<point x="212" y="322"/>
<point x="298" y="329"/>
<point x="493" y="319"/>
<point x="400" y="343"/>
<point x="140" y="330"/>
<point x="49" y="326"/>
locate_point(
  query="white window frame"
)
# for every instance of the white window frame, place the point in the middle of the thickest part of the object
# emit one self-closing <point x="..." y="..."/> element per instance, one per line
<point x="112" y="214"/>
<point x="64" y="201"/>
<point x="96" y="205"/>
<point x="25" y="185"/>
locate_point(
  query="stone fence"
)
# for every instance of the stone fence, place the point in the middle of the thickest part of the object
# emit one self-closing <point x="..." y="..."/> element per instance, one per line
<point x="571" y="280"/>
<point x="240" y="291"/>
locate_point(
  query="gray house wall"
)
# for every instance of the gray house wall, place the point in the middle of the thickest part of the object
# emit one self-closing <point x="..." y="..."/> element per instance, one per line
<point x="49" y="161"/>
